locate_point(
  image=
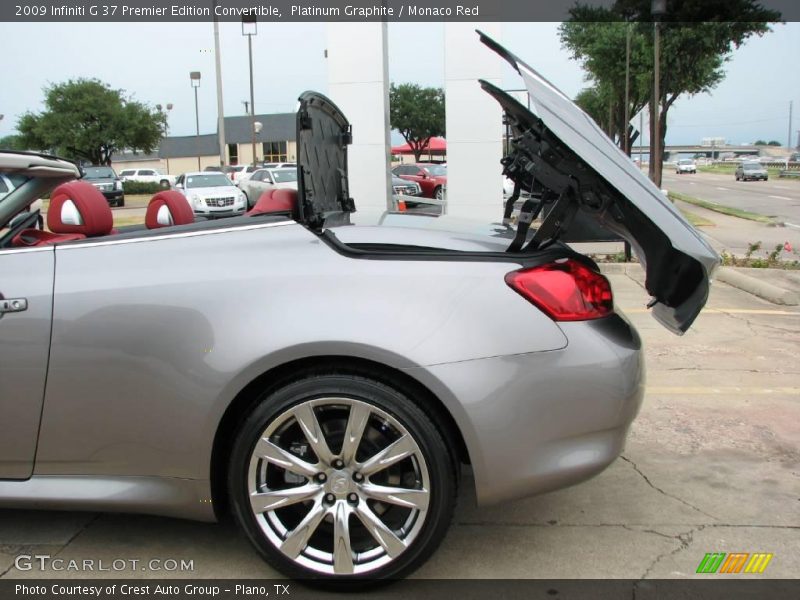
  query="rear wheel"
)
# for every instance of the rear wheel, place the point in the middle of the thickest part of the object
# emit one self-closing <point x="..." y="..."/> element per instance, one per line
<point x="339" y="477"/>
<point x="164" y="184"/>
<point x="438" y="193"/>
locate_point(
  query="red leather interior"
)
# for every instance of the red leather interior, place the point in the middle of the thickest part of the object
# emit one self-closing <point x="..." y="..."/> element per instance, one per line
<point x="91" y="204"/>
<point x="276" y="202"/>
<point x="177" y="205"/>
<point x="38" y="237"/>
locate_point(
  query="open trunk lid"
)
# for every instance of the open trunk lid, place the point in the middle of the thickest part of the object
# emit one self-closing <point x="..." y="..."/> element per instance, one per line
<point x="323" y="134"/>
<point x="567" y="162"/>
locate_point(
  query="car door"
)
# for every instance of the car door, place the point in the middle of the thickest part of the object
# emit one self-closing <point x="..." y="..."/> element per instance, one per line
<point x="26" y="307"/>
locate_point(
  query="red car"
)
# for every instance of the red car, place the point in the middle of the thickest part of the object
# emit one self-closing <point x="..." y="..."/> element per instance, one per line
<point x="432" y="178"/>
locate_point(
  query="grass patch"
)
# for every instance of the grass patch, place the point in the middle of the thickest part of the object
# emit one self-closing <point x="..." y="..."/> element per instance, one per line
<point x="725" y="210"/>
<point x="121" y="220"/>
<point x="696" y="220"/>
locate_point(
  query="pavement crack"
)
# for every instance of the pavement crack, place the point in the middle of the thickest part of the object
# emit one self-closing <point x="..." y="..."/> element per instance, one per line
<point x="751" y="326"/>
<point x="661" y="491"/>
<point x="684" y="541"/>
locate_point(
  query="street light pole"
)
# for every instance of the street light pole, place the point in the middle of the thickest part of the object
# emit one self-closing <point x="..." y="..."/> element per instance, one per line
<point x="220" y="110"/>
<point x="165" y="116"/>
<point x="625" y="132"/>
<point x="194" y="77"/>
<point x="250" y="28"/>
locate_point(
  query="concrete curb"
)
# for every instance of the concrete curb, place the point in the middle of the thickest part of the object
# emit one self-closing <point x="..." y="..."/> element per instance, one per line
<point x="762" y="289"/>
<point x="731" y="276"/>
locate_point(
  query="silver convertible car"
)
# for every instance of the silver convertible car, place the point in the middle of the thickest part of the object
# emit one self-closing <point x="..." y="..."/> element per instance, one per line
<point x="321" y="376"/>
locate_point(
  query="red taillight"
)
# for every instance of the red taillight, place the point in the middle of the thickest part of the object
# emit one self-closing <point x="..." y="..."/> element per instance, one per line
<point x="566" y="291"/>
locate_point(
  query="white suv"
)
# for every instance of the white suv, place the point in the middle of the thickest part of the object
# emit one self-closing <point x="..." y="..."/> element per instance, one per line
<point x="147" y="176"/>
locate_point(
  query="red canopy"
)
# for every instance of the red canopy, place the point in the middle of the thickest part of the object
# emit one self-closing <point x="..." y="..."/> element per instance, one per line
<point x="436" y="145"/>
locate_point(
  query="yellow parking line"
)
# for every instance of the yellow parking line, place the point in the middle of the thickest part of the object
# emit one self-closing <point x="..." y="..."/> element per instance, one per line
<point x="721" y="311"/>
<point x="722" y="391"/>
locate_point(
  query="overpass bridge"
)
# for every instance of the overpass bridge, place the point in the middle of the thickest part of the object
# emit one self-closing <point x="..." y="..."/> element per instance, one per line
<point x="711" y="152"/>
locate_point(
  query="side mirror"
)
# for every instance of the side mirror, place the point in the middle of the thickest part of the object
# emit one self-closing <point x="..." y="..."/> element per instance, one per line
<point x="424" y="175"/>
<point x="178" y="186"/>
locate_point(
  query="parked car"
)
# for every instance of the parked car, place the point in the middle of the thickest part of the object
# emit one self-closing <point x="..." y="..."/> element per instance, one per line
<point x="242" y="173"/>
<point x="107" y="181"/>
<point x="432" y="178"/>
<point x="685" y="165"/>
<point x="748" y="171"/>
<point x="147" y="176"/>
<point x="324" y="372"/>
<point x="279" y="165"/>
<point x="211" y="194"/>
<point x="267" y="179"/>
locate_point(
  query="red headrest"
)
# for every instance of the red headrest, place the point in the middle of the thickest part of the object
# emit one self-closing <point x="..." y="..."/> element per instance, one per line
<point x="280" y="201"/>
<point x="93" y="214"/>
<point x="172" y="205"/>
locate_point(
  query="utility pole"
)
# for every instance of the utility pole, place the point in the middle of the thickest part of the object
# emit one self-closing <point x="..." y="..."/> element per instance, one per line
<point x="249" y="29"/>
<point x="789" y="136"/>
<point x="220" y="109"/>
<point x="626" y="132"/>
<point x="658" y="9"/>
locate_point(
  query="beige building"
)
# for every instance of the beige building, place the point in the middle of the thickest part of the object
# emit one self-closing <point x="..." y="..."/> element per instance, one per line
<point x="179" y="154"/>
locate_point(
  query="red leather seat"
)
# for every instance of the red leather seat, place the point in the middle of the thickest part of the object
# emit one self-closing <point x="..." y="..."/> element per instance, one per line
<point x="77" y="210"/>
<point x="276" y="202"/>
<point x="168" y="208"/>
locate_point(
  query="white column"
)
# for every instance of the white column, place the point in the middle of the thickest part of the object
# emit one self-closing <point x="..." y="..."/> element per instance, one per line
<point x="474" y="123"/>
<point x="358" y="83"/>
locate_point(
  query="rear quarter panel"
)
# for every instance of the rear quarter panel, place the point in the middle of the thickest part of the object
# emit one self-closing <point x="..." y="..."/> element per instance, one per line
<point x="152" y="339"/>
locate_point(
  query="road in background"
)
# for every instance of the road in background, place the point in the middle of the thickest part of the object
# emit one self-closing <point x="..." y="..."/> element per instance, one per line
<point x="777" y="198"/>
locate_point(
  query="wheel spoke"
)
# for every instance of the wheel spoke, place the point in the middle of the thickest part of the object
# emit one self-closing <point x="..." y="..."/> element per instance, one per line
<point x="265" y="501"/>
<point x="297" y="540"/>
<point x="286" y="460"/>
<point x="379" y="531"/>
<point x="356" y="422"/>
<point x="342" y="553"/>
<point x="408" y="498"/>
<point x="311" y="429"/>
<point x="393" y="453"/>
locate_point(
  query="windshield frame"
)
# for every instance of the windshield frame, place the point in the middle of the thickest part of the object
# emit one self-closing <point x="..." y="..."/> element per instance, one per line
<point x="435" y="170"/>
<point x="277" y="175"/>
<point x="214" y="175"/>
<point x="87" y="172"/>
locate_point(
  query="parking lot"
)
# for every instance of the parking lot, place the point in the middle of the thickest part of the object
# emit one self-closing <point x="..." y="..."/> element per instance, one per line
<point x="712" y="465"/>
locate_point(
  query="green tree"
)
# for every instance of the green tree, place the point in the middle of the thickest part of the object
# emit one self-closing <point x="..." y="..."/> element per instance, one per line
<point x="11" y="142"/>
<point x="87" y="119"/>
<point x="773" y="143"/>
<point x="697" y="38"/>
<point x="417" y="113"/>
<point x="760" y="143"/>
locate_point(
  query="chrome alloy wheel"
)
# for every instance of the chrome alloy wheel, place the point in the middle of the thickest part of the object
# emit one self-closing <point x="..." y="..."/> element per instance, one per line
<point x="338" y="485"/>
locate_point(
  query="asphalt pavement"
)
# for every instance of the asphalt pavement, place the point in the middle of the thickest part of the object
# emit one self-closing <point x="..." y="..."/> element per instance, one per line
<point x="777" y="198"/>
<point x="712" y="465"/>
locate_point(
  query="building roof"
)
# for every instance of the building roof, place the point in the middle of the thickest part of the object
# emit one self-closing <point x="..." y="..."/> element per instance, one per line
<point x="134" y="156"/>
<point x="280" y="127"/>
<point x="189" y="145"/>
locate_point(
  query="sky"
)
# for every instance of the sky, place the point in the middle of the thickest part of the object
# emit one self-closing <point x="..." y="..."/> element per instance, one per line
<point x="152" y="63"/>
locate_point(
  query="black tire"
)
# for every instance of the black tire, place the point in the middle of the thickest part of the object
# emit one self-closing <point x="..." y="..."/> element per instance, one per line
<point x="121" y="202"/>
<point x="164" y="184"/>
<point x="272" y="408"/>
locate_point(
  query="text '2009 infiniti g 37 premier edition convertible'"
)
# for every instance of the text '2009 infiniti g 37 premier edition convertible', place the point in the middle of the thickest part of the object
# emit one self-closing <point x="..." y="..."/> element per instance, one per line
<point x="320" y="376"/>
